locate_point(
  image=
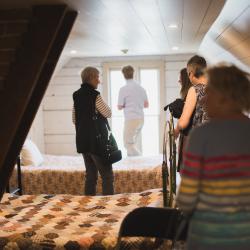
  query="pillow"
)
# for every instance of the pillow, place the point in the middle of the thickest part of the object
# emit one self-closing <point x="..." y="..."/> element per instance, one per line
<point x="30" y="154"/>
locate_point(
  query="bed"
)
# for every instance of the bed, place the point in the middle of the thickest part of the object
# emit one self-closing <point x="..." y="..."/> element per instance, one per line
<point x="65" y="174"/>
<point x="70" y="222"/>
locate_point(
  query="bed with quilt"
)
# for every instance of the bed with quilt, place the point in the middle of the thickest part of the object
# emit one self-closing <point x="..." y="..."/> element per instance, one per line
<point x="70" y="222"/>
<point x="66" y="174"/>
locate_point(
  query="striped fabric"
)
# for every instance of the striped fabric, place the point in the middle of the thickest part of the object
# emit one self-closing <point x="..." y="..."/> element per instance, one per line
<point x="215" y="186"/>
<point x="101" y="107"/>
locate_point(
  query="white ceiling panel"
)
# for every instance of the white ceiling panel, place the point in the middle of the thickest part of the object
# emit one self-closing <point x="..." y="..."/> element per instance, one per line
<point x="229" y="37"/>
<point x="242" y="49"/>
<point x="242" y="23"/>
<point x="194" y="12"/>
<point x="212" y="12"/>
<point x="148" y="13"/>
<point x="171" y="13"/>
<point x="105" y="27"/>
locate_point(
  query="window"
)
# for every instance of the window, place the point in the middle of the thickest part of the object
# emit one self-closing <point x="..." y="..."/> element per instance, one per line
<point x="150" y="76"/>
<point x="149" y="79"/>
<point x="117" y="120"/>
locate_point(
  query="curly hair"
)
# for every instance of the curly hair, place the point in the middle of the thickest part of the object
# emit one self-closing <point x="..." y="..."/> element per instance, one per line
<point x="232" y="82"/>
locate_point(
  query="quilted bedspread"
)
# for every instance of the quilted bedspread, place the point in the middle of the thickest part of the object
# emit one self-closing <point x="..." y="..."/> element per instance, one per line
<point x="66" y="174"/>
<point x="69" y="222"/>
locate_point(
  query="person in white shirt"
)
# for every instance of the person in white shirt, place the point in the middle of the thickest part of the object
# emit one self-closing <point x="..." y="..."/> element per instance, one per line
<point x="132" y="99"/>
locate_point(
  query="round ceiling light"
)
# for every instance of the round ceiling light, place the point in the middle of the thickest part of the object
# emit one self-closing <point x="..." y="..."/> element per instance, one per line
<point x="73" y="52"/>
<point x="175" y="48"/>
<point x="172" y="26"/>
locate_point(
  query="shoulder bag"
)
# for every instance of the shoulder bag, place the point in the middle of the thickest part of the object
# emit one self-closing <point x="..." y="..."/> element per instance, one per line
<point x="107" y="147"/>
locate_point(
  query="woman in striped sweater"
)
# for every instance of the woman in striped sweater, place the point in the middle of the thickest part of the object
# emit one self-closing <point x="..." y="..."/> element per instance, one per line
<point x="215" y="186"/>
<point x="87" y="104"/>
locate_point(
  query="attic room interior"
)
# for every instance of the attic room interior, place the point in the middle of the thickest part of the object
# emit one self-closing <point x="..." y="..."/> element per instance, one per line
<point x="56" y="195"/>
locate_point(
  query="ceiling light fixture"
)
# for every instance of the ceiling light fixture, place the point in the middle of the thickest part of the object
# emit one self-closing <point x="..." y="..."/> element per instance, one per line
<point x="172" y="26"/>
<point x="175" y="48"/>
<point x="72" y="52"/>
<point x="124" y="51"/>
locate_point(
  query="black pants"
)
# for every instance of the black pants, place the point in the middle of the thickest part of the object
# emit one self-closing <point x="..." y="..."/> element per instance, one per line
<point x="95" y="164"/>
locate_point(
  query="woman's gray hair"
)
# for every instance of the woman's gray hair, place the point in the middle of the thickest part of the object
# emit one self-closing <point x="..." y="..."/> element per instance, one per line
<point x="89" y="73"/>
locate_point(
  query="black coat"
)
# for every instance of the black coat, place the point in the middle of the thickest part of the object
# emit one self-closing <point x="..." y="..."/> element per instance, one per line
<point x="84" y="104"/>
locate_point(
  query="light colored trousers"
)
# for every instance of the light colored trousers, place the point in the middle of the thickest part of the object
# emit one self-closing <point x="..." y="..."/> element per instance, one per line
<point x="132" y="136"/>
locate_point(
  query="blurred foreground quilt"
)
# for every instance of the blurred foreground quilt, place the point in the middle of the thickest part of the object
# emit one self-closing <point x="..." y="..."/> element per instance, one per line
<point x="70" y="222"/>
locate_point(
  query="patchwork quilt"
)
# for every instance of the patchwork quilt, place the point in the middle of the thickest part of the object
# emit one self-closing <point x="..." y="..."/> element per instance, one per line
<point x="66" y="174"/>
<point x="70" y="222"/>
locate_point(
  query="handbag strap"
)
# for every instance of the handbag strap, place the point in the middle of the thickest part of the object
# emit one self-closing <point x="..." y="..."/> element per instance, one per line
<point x="95" y="117"/>
<point x="107" y="123"/>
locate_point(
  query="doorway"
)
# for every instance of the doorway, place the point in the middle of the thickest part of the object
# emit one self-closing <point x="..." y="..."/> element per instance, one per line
<point x="151" y="77"/>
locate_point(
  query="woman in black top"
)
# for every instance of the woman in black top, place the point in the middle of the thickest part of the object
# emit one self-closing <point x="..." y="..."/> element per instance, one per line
<point x="193" y="113"/>
<point x="87" y="103"/>
<point x="193" y="107"/>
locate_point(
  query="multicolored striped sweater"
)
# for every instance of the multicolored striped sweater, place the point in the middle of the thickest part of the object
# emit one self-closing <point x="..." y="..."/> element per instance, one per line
<point x="215" y="186"/>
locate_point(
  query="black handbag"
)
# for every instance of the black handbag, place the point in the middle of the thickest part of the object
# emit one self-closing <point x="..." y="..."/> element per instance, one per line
<point x="176" y="108"/>
<point x="107" y="147"/>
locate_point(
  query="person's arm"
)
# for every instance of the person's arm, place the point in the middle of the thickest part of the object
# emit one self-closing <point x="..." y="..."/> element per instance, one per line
<point x="188" y="192"/>
<point x="187" y="112"/>
<point x="102" y="107"/>
<point x="121" y="102"/>
<point x="146" y="104"/>
<point x="73" y="115"/>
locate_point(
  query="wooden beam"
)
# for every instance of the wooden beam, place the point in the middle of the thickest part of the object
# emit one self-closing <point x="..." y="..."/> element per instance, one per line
<point x="48" y="33"/>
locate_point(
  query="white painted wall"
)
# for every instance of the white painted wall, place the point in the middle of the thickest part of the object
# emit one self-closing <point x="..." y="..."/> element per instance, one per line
<point x="59" y="132"/>
<point x="36" y="133"/>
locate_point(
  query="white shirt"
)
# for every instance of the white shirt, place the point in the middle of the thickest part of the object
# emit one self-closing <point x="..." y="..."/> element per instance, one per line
<point x="132" y="97"/>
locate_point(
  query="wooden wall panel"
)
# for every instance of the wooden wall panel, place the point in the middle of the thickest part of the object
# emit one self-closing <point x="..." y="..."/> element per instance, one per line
<point x="65" y="139"/>
<point x="65" y="80"/>
<point x="58" y="122"/>
<point x="62" y="89"/>
<point x="36" y="133"/>
<point x="58" y="103"/>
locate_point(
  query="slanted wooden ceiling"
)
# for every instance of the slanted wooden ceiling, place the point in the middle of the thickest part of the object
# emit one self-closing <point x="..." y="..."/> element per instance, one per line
<point x="105" y="27"/>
